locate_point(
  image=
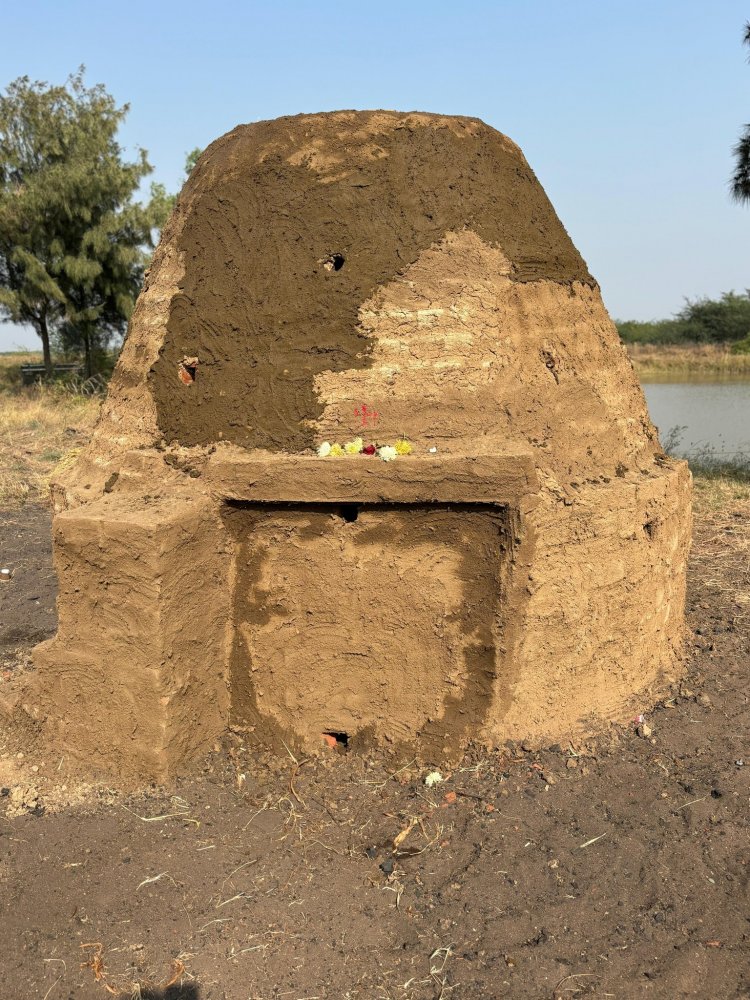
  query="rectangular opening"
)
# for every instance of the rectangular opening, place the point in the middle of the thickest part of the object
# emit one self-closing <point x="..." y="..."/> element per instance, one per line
<point x="378" y="620"/>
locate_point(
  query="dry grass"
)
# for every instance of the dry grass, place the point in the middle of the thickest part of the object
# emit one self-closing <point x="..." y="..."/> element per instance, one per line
<point x="715" y="493"/>
<point x="39" y="428"/>
<point x="687" y="359"/>
<point x="10" y="367"/>
<point x="721" y="536"/>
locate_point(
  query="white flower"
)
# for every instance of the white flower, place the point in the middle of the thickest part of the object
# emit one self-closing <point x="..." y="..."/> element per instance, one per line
<point x="324" y="450"/>
<point x="387" y="453"/>
<point x="433" y="778"/>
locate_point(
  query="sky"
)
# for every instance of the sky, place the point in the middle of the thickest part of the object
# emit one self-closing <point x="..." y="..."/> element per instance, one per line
<point x="626" y="111"/>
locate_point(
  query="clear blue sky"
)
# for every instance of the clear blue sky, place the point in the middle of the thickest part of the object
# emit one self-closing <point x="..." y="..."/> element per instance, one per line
<point x="627" y="111"/>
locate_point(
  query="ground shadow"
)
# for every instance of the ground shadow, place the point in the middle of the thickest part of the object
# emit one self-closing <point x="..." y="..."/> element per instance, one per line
<point x="188" y="992"/>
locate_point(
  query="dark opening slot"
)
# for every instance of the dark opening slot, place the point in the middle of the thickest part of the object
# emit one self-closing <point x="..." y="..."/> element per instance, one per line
<point x="335" y="262"/>
<point x="342" y="739"/>
<point x="328" y="507"/>
<point x="650" y="528"/>
<point x="349" y="511"/>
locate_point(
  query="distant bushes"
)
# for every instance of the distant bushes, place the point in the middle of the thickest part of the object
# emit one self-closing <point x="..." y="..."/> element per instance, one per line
<point x="701" y="321"/>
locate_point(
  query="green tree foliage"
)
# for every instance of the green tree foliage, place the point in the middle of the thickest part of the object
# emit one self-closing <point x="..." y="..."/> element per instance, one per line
<point x="655" y="331"/>
<point x="699" y="321"/>
<point x="741" y="175"/>
<point x="727" y="318"/>
<point x="73" y="242"/>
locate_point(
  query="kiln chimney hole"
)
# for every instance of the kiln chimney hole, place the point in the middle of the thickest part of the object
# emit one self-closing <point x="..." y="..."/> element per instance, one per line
<point x="349" y="511"/>
<point x="187" y="370"/>
<point x="339" y="740"/>
<point x="334" y="262"/>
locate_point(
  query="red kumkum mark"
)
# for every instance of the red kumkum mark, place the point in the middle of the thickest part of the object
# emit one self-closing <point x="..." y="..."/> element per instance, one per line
<point x="368" y="417"/>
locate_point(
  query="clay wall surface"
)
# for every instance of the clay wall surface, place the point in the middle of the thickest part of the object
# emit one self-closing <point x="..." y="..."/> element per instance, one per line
<point x="137" y="677"/>
<point x="326" y="596"/>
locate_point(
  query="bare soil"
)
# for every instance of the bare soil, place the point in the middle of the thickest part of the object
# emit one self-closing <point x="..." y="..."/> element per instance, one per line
<point x="618" y="868"/>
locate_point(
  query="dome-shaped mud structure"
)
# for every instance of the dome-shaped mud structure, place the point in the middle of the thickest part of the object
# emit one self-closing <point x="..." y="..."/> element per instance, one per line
<point x="518" y="575"/>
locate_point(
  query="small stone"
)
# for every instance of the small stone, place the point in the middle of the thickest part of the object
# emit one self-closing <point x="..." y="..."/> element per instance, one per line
<point x="703" y="700"/>
<point x="19" y="755"/>
<point x="386" y="867"/>
<point x="35" y="768"/>
<point x="571" y="762"/>
<point x="644" y="731"/>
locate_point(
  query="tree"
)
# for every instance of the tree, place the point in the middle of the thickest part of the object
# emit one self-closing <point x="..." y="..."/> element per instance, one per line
<point x="741" y="151"/>
<point x="719" y="320"/>
<point x="73" y="242"/>
<point x="722" y="320"/>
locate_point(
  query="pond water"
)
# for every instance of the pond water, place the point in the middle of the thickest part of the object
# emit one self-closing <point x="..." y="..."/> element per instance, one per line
<point x="710" y="414"/>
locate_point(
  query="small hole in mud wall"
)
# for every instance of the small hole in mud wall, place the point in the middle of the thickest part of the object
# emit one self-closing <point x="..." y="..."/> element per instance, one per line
<point x="337" y="741"/>
<point x="650" y="528"/>
<point x="349" y="511"/>
<point x="187" y="369"/>
<point x="334" y="262"/>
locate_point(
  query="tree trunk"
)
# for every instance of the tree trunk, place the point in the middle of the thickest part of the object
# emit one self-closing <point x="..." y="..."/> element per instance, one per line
<point x="87" y="346"/>
<point x="44" y="334"/>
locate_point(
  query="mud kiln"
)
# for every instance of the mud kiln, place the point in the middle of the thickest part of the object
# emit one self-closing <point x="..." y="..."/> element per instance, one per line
<point x="379" y="276"/>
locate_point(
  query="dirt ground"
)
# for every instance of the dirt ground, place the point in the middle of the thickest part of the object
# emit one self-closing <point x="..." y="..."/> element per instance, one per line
<point x="613" y="869"/>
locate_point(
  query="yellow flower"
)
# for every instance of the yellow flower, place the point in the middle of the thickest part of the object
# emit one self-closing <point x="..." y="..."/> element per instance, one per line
<point x="403" y="447"/>
<point x="354" y="447"/>
<point x="336" y="450"/>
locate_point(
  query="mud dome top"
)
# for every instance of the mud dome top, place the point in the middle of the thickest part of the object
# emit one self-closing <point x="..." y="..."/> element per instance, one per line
<point x="408" y="261"/>
<point x="290" y="227"/>
<point x="521" y="572"/>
